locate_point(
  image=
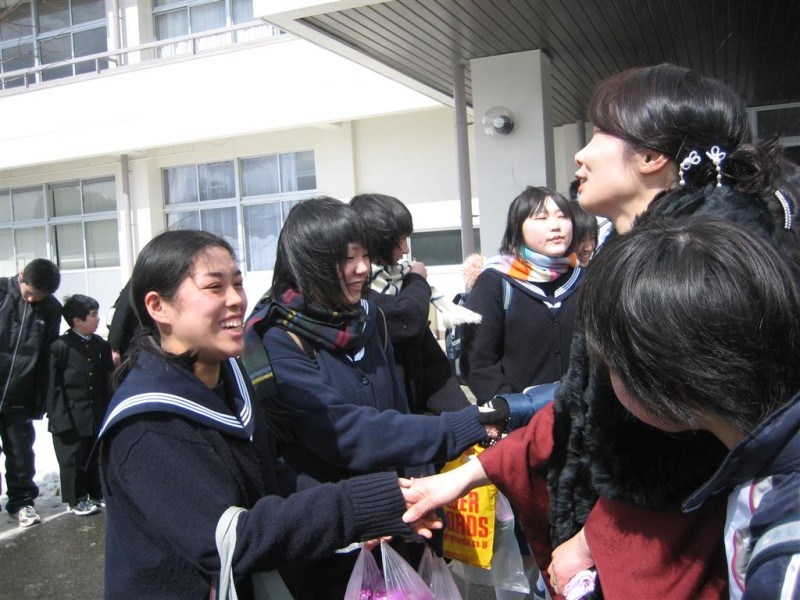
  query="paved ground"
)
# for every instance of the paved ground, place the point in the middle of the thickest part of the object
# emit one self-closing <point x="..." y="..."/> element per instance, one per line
<point x="62" y="559"/>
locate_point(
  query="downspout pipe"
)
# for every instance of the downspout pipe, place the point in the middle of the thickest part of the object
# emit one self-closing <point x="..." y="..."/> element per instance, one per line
<point x="127" y="213"/>
<point x="462" y="152"/>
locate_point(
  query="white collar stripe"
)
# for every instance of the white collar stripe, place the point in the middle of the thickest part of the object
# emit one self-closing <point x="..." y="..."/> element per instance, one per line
<point x="246" y="412"/>
<point x="176" y="401"/>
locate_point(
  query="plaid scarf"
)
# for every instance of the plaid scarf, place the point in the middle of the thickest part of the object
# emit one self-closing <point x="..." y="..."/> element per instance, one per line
<point x="334" y="330"/>
<point x="389" y="280"/>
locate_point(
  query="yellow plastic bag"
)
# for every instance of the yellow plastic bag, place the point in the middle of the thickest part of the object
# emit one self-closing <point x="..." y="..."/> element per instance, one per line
<point x="470" y="521"/>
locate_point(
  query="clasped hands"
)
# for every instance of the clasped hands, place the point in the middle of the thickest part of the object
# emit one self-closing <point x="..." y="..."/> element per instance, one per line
<point x="425" y="494"/>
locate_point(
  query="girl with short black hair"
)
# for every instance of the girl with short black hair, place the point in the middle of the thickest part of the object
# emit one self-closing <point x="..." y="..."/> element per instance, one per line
<point x="401" y="290"/>
<point x="526" y="296"/>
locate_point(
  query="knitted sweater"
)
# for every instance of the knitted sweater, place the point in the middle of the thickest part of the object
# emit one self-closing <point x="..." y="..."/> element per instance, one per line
<point x="176" y="454"/>
<point x="351" y="414"/>
<point x="527" y="344"/>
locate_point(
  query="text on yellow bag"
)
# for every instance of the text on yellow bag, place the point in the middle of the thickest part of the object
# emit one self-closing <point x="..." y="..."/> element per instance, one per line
<point x="469" y="525"/>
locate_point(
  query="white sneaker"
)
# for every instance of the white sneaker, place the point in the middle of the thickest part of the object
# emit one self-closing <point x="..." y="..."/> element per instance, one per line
<point x="26" y="516"/>
<point x="83" y="508"/>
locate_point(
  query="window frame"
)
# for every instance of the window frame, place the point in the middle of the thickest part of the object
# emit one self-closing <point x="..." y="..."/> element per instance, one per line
<point x="37" y="39"/>
<point x="241" y="203"/>
<point x="452" y="231"/>
<point x="187" y="6"/>
<point x="49" y="223"/>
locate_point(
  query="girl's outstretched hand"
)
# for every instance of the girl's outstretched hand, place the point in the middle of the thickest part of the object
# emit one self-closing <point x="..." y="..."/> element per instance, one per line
<point x="437" y="490"/>
<point x="425" y="523"/>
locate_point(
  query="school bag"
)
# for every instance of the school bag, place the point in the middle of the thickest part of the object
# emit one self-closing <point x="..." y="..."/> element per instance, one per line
<point x="453" y="336"/>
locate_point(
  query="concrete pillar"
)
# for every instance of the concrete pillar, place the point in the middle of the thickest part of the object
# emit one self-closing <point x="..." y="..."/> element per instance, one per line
<point x="573" y="139"/>
<point x="506" y="164"/>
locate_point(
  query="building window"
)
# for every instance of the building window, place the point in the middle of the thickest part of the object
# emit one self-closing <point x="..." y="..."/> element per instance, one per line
<point x="22" y="228"/>
<point x="44" y="32"/>
<point x="79" y="218"/>
<point x="244" y="200"/>
<point x="440" y="247"/>
<point x="176" y="18"/>
<point x="84" y="223"/>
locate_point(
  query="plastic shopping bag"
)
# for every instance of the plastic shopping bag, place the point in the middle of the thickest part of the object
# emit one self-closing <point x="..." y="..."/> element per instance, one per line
<point x="443" y="585"/>
<point x="402" y="581"/>
<point x="507" y="573"/>
<point x="366" y="581"/>
<point x="425" y="569"/>
<point x="435" y="572"/>
<point x="470" y="521"/>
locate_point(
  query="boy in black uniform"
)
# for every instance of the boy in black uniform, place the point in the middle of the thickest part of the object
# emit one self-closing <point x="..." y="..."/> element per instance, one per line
<point x="29" y="316"/>
<point x="79" y="392"/>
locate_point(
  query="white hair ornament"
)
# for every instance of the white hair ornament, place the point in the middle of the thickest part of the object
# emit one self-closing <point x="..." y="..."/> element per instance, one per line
<point x="716" y="155"/>
<point x="687" y="163"/>
<point x="787" y="209"/>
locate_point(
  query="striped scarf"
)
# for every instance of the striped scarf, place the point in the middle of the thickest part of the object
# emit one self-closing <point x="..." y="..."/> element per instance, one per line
<point x="388" y="280"/>
<point x="527" y="268"/>
<point x="531" y="266"/>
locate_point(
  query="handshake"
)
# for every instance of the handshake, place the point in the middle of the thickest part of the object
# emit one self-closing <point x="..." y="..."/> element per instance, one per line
<point x="424" y="495"/>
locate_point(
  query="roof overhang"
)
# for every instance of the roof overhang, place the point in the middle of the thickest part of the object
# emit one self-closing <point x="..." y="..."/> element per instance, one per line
<point x="750" y="44"/>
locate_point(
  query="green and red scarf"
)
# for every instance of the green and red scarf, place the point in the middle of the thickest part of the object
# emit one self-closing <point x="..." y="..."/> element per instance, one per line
<point x="336" y="330"/>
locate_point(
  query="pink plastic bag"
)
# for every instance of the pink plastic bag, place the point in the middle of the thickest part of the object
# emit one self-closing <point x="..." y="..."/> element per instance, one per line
<point x="402" y="581"/>
<point x="366" y="581"/>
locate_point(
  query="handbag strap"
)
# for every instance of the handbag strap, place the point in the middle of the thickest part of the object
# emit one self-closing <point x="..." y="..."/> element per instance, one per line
<point x="266" y="585"/>
<point x="226" y="543"/>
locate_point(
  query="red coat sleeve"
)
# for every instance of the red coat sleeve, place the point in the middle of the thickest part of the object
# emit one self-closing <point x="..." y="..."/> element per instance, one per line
<point x="518" y="467"/>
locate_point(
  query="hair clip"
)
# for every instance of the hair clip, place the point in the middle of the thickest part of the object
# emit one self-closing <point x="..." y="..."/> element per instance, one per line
<point x="687" y="163"/>
<point x="787" y="209"/>
<point x="717" y="155"/>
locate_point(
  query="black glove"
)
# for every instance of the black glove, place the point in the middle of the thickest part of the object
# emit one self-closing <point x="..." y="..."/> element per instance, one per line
<point x="494" y="412"/>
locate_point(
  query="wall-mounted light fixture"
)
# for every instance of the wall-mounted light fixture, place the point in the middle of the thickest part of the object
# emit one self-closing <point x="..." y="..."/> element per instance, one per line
<point x="498" y="120"/>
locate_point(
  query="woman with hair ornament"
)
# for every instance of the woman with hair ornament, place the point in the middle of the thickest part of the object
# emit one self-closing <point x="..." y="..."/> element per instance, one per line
<point x="595" y="489"/>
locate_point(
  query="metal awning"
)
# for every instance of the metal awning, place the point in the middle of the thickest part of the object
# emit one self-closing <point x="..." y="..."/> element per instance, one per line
<point x="753" y="45"/>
